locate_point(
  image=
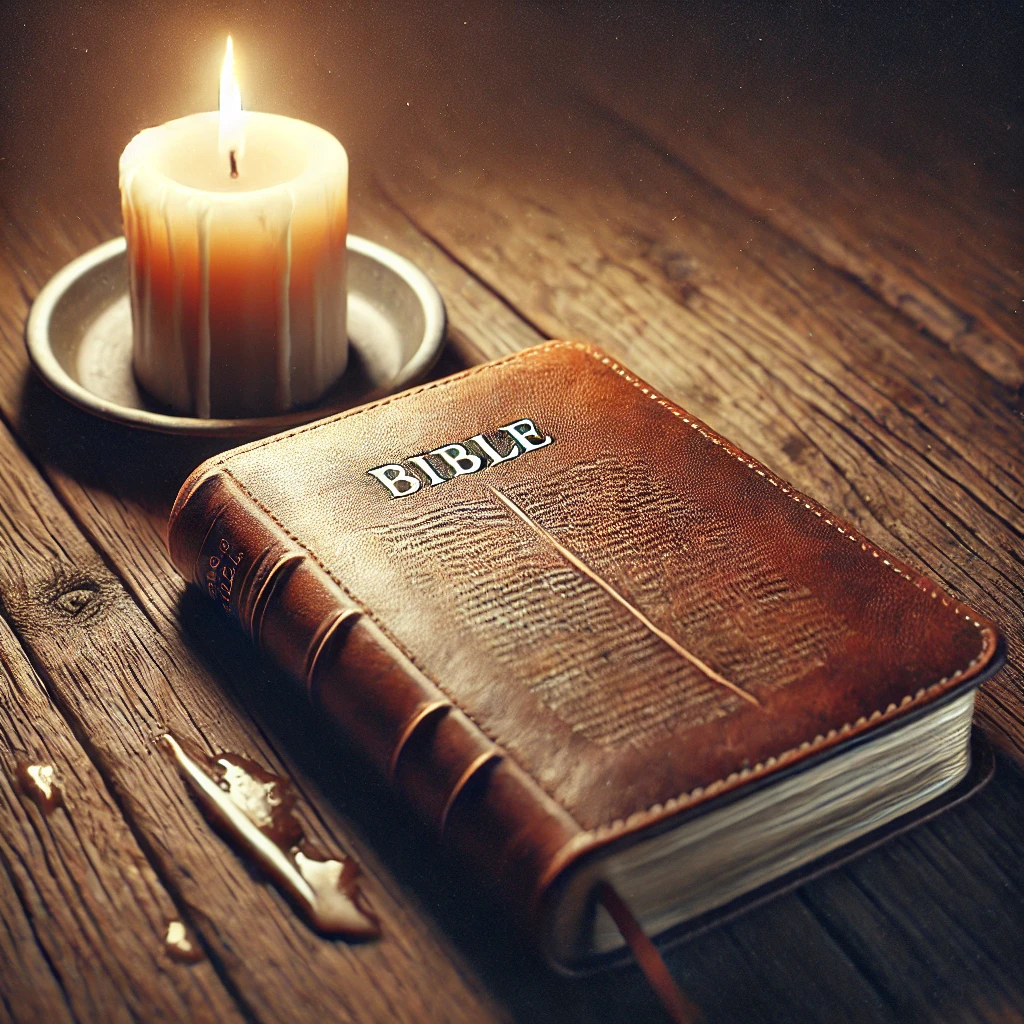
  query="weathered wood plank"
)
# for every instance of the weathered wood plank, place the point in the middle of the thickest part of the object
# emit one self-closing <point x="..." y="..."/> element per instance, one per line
<point x="901" y="170"/>
<point x="117" y="486"/>
<point x="84" y="915"/>
<point x="130" y="538"/>
<point x="900" y="233"/>
<point x="121" y="683"/>
<point x="605" y="238"/>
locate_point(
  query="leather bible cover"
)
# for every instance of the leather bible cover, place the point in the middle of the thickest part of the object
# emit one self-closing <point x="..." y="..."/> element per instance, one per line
<point x="626" y="622"/>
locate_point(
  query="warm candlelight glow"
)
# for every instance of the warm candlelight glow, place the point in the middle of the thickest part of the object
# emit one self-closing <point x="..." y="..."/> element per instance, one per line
<point x="232" y="133"/>
<point x="236" y="265"/>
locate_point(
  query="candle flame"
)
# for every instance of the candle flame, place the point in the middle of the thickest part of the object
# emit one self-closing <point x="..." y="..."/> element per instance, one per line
<point x="232" y="131"/>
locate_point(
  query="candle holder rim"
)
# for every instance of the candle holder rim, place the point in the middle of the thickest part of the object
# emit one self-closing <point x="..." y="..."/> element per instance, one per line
<point x="39" y="342"/>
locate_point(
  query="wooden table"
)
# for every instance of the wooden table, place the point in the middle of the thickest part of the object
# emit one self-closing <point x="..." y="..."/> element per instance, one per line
<point x="803" y="227"/>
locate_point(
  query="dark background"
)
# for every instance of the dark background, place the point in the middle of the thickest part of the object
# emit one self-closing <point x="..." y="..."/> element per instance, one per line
<point x="935" y="83"/>
<point x="698" y="188"/>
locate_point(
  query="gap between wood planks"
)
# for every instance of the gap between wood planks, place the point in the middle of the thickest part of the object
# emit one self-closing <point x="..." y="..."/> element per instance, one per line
<point x="93" y="869"/>
<point x="1011" y="379"/>
<point x="65" y="499"/>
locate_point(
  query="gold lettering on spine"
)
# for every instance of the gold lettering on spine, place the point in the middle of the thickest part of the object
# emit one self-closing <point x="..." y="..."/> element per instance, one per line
<point x="221" y="571"/>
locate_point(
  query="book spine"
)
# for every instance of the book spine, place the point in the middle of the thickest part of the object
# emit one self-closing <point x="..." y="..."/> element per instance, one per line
<point x="483" y="805"/>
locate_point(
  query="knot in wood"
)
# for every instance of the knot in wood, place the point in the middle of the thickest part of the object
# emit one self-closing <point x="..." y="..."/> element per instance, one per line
<point x="80" y="598"/>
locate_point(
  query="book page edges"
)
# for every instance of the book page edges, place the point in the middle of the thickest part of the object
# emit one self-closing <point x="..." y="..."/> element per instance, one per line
<point x="748" y="780"/>
<point x="487" y="807"/>
<point x="981" y="769"/>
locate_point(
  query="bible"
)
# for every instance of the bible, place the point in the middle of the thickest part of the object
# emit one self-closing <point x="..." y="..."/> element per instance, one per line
<point x="594" y="644"/>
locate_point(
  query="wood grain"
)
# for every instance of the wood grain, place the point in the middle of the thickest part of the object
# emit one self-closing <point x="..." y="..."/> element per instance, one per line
<point x="122" y="683"/>
<point x="801" y="295"/>
<point x="907" y="183"/>
<point x="70" y="874"/>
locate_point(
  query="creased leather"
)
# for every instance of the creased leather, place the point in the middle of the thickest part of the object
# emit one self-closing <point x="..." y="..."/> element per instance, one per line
<point x="529" y="621"/>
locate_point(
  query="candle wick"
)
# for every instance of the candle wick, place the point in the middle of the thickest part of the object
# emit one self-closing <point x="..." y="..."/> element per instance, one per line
<point x="234" y="164"/>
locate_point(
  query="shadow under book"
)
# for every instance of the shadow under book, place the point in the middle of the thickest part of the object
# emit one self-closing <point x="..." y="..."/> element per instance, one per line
<point x="592" y="642"/>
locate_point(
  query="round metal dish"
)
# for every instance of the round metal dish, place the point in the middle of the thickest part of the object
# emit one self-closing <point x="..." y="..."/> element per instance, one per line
<point x="79" y="337"/>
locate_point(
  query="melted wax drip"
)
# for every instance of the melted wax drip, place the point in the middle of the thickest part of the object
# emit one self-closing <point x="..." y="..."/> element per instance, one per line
<point x="256" y="811"/>
<point x="180" y="944"/>
<point x="39" y="783"/>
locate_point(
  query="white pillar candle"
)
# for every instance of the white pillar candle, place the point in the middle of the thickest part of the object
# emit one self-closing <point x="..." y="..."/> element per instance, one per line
<point x="237" y="283"/>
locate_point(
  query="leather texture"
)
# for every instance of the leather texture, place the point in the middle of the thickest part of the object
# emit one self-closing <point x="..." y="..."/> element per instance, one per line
<point x="577" y="643"/>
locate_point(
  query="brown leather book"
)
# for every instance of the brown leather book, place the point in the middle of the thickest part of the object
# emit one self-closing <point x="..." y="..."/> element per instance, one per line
<point x="590" y="640"/>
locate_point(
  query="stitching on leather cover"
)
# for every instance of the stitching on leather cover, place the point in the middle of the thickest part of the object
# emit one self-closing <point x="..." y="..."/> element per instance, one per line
<point x="758" y="468"/>
<point x="639" y="818"/>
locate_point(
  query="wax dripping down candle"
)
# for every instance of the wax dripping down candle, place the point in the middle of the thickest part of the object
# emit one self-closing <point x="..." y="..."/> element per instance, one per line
<point x="236" y="224"/>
